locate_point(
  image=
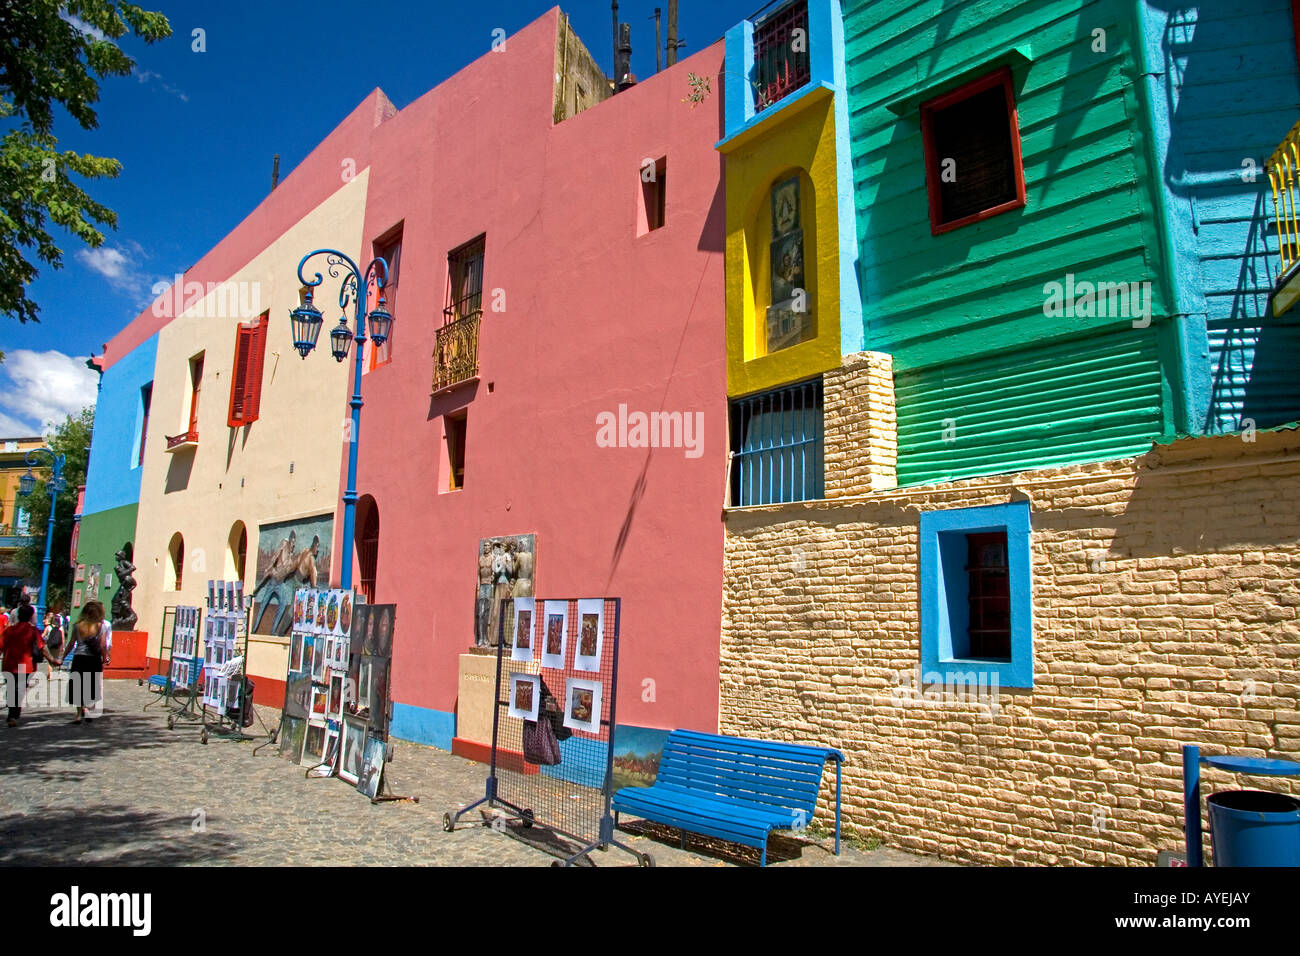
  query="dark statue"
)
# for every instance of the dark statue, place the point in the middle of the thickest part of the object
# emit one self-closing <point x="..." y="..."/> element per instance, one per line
<point x="124" y="617"/>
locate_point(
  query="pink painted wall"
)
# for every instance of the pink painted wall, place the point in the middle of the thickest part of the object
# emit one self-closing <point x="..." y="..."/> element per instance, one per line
<point x="595" y="317"/>
<point x="316" y="178"/>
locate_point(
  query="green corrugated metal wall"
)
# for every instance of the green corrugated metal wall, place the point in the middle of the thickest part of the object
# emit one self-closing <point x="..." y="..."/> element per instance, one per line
<point x="962" y="313"/>
<point x="1057" y="404"/>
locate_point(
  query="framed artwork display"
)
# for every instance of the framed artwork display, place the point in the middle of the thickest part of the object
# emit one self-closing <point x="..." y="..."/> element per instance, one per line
<point x="582" y="701"/>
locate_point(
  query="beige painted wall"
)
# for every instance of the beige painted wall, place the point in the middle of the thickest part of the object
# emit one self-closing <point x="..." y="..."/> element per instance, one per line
<point x="243" y="474"/>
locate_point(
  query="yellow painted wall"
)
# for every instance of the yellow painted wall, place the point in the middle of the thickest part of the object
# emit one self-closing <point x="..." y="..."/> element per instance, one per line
<point x="801" y="138"/>
<point x="242" y="474"/>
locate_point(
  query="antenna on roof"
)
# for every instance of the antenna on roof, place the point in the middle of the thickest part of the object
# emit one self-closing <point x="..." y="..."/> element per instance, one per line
<point x="673" y="43"/>
<point x="275" y="172"/>
<point x="659" y="40"/>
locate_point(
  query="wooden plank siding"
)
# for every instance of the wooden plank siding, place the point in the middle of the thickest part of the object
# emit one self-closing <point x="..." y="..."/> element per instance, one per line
<point x="1231" y="76"/>
<point x="963" y="313"/>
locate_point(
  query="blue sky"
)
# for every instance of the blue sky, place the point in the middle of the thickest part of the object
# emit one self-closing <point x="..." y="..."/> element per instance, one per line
<point x="196" y="133"/>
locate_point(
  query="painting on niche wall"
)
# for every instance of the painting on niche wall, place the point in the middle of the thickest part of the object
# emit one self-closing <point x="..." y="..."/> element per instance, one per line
<point x="789" y="314"/>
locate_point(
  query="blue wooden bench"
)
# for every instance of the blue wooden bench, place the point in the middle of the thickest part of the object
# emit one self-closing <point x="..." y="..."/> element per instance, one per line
<point x="733" y="788"/>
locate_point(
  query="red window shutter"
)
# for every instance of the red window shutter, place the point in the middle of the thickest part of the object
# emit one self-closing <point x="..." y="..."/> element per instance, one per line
<point x="253" y="376"/>
<point x="238" y="382"/>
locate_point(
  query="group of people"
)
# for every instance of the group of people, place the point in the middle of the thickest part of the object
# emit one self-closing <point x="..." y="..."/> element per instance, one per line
<point x="84" y="652"/>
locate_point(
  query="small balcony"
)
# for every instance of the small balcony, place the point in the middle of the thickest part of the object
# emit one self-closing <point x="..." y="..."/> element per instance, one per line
<point x="781" y="62"/>
<point x="455" y="355"/>
<point x="189" y="439"/>
<point x="1284" y="178"/>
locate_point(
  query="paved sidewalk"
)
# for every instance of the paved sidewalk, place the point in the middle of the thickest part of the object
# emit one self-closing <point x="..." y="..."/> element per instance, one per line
<point x="125" y="790"/>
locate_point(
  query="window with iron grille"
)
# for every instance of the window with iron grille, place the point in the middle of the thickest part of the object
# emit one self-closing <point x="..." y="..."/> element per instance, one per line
<point x="465" y="281"/>
<point x="989" y="596"/>
<point x="390" y="250"/>
<point x="972" y="152"/>
<point x="781" y="53"/>
<point x="776" y="443"/>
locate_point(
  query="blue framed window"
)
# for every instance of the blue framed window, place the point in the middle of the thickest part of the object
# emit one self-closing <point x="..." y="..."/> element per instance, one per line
<point x="977" y="595"/>
<point x="776" y="442"/>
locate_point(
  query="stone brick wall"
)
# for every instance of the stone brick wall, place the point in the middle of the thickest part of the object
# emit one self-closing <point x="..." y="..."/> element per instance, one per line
<point x="860" y="427"/>
<point x="1165" y="600"/>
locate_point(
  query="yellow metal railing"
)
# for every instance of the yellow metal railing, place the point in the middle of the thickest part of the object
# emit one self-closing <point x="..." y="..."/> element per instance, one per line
<point x="1284" y="177"/>
<point x="455" y="355"/>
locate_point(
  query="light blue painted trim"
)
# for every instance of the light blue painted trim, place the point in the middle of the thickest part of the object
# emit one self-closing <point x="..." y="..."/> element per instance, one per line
<point x="852" y="330"/>
<point x="825" y="45"/>
<point x="738" y="62"/>
<point x="422" y="725"/>
<point x="773" y="116"/>
<point x="1192" y="374"/>
<point x="942" y="570"/>
<point x="113" y="477"/>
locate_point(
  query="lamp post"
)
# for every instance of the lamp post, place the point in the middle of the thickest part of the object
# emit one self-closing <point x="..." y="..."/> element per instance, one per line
<point x="307" y="323"/>
<point x="26" y="485"/>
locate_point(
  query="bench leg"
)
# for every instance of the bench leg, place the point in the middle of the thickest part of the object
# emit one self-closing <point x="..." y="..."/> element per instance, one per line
<point x="837" y="808"/>
<point x="762" y="859"/>
<point x="681" y="836"/>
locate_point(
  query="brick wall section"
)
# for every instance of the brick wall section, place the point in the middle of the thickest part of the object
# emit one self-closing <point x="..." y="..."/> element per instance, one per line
<point x="861" y="433"/>
<point x="1165" y="599"/>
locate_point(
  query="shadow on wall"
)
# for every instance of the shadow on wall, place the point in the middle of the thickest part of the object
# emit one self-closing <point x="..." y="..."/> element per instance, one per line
<point x="1232" y="93"/>
<point x="178" y="470"/>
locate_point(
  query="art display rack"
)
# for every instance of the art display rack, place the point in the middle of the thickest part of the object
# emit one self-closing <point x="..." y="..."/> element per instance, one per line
<point x="162" y="679"/>
<point x="570" y="799"/>
<point x="190" y="699"/>
<point x="225" y="726"/>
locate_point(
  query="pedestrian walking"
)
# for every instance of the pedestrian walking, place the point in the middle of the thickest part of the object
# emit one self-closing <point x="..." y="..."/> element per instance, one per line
<point x="53" y="635"/>
<point x="87" y="659"/>
<point x="21" y="645"/>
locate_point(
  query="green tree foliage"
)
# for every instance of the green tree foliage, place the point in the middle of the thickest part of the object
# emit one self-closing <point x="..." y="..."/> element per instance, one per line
<point x="72" y="440"/>
<point x="53" y="53"/>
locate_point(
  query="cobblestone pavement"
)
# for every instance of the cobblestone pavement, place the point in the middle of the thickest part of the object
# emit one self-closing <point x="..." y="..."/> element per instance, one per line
<point x="125" y="790"/>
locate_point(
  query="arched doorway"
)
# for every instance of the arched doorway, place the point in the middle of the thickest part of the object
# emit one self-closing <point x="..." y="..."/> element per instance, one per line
<point x="175" y="571"/>
<point x="237" y="552"/>
<point x="367" y="546"/>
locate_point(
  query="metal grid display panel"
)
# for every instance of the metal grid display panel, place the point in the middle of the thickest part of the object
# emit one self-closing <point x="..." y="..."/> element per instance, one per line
<point x="572" y="797"/>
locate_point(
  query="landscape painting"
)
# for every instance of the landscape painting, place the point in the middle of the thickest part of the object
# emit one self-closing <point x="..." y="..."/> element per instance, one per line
<point x="637" y="751"/>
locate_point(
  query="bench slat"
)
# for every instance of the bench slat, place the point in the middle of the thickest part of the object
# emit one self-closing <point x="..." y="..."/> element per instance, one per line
<point x="746" y="787"/>
<point x="745" y="745"/>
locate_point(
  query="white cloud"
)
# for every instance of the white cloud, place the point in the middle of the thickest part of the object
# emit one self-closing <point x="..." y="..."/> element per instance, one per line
<point x="40" y="389"/>
<point x="111" y="263"/>
<point x="82" y="26"/>
<point x="123" y="267"/>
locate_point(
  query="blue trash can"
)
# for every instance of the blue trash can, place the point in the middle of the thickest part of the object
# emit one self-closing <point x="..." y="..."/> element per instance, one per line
<point x="1255" y="828"/>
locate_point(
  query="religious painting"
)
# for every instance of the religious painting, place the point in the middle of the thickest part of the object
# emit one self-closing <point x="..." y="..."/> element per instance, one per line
<point x="290" y="555"/>
<point x="385" y="629"/>
<point x="555" y="636"/>
<point x="787" y="267"/>
<point x="591" y="635"/>
<point x="785" y="207"/>
<point x="522" y="648"/>
<point x="313" y="745"/>
<point x="506" y="569"/>
<point x="379" y="696"/>
<point x="525" y="696"/>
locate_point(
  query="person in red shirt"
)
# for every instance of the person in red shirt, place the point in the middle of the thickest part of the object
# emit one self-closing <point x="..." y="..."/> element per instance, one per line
<point x="18" y="643"/>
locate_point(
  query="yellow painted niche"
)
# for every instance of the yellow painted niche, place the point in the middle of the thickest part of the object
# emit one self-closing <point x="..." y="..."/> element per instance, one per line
<point x="803" y="144"/>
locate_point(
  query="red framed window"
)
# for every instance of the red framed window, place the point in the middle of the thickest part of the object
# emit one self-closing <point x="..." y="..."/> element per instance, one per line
<point x="246" y="382"/>
<point x="390" y="249"/>
<point x="146" y="400"/>
<point x="196" y="385"/>
<point x="781" y="53"/>
<point x="973" y="167"/>
<point x="989" y="595"/>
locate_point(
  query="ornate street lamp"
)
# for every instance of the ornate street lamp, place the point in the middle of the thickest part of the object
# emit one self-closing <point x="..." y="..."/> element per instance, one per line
<point x="307" y="323"/>
<point x="56" y="484"/>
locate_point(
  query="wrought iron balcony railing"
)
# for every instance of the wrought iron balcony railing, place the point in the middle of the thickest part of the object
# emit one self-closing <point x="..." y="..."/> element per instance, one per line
<point x="1284" y="178"/>
<point x="455" y="355"/>
<point x="188" y="439"/>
